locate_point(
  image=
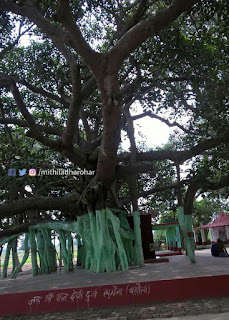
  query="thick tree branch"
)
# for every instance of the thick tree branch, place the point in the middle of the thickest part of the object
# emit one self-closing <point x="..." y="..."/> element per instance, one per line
<point x="24" y="124"/>
<point x="142" y="7"/>
<point x="203" y="184"/>
<point x="151" y="191"/>
<point x="37" y="203"/>
<point x="20" y="103"/>
<point x="15" y="230"/>
<point x="34" y="129"/>
<point x="179" y="185"/>
<point x="52" y="30"/>
<point x="180" y="156"/>
<point x="86" y="91"/>
<point x="6" y="80"/>
<point x="76" y="156"/>
<point x="74" y="108"/>
<point x="35" y="132"/>
<point x="190" y="197"/>
<point x="133" y="38"/>
<point x="78" y="42"/>
<point x="88" y="88"/>
<point x="139" y="167"/>
<point x="40" y="91"/>
<point x="132" y="179"/>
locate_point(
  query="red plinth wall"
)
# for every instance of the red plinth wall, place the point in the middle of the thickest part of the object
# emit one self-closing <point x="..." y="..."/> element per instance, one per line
<point x="114" y="295"/>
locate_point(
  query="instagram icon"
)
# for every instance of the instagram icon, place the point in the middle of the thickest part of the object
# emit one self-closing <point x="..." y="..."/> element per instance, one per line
<point x="32" y="172"/>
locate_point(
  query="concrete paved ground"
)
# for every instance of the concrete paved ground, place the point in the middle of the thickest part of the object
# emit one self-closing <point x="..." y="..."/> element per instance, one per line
<point x="204" y="309"/>
<point x="177" y="267"/>
<point x="220" y="316"/>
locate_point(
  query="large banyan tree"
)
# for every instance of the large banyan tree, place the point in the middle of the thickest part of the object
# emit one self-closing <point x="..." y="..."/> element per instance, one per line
<point x="71" y="75"/>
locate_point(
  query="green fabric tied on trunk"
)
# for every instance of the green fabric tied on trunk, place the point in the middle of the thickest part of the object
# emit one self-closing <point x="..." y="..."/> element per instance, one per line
<point x="185" y="222"/>
<point x="106" y="243"/>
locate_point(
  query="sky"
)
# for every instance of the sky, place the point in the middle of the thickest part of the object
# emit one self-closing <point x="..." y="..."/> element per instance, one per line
<point x="156" y="132"/>
<point x="150" y="132"/>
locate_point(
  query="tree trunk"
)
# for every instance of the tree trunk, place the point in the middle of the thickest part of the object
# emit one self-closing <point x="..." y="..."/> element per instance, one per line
<point x="109" y="244"/>
<point x="132" y="179"/>
<point x="107" y="238"/>
<point x="185" y="222"/>
<point x="189" y="198"/>
<point x="111" y="109"/>
<point x="133" y="190"/>
<point x="25" y="257"/>
<point x="15" y="258"/>
<point x="33" y="245"/>
<point x="7" y="257"/>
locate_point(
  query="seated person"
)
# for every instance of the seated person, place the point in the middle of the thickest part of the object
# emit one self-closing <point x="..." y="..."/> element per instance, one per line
<point x="214" y="250"/>
<point x="218" y="249"/>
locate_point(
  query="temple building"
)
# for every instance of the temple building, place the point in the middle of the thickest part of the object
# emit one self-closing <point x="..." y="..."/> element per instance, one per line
<point x="219" y="228"/>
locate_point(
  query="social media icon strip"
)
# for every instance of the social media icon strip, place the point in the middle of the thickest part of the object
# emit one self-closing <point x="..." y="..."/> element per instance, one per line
<point x="12" y="172"/>
<point x="32" y="172"/>
<point x="22" y="172"/>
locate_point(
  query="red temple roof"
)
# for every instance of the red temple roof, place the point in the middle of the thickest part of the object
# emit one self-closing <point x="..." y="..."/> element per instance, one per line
<point x="221" y="221"/>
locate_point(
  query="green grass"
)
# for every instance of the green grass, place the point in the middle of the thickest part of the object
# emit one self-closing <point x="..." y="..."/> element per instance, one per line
<point x="28" y="261"/>
<point x="20" y="256"/>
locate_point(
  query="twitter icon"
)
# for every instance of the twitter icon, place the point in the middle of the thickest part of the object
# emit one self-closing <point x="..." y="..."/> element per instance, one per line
<point x="22" y="172"/>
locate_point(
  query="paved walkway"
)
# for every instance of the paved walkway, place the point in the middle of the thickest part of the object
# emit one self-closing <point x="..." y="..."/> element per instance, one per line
<point x="206" y="309"/>
<point x="177" y="267"/>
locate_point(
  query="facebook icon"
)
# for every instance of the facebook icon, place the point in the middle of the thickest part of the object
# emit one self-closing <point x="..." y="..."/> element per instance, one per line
<point x="12" y="172"/>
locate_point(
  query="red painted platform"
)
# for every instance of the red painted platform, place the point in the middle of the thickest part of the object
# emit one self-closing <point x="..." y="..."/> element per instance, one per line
<point x="164" y="282"/>
<point x="158" y="260"/>
<point x="114" y="295"/>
